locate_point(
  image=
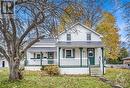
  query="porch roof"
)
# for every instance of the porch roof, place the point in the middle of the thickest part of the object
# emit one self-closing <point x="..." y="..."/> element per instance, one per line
<point x="42" y="49"/>
<point x="80" y="44"/>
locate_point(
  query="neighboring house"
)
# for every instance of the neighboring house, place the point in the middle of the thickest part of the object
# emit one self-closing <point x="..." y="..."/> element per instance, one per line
<point x="3" y="62"/>
<point x="77" y="50"/>
<point x="126" y="61"/>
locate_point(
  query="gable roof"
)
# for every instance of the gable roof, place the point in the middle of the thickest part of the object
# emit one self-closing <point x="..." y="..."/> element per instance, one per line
<point x="78" y="23"/>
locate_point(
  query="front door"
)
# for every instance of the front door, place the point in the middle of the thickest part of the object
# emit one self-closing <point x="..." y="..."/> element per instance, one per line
<point x="91" y="55"/>
<point x="3" y="63"/>
<point x="50" y="57"/>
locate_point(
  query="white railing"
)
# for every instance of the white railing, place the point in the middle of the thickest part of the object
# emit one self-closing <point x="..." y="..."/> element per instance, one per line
<point x="63" y="61"/>
<point x="49" y="61"/>
<point x="44" y="61"/>
<point x="33" y="62"/>
<point x="73" y="62"/>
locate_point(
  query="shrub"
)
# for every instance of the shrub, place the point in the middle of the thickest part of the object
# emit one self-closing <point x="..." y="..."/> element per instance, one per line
<point x="51" y="69"/>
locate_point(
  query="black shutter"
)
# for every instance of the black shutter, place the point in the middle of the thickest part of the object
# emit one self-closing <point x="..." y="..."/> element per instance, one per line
<point x="73" y="53"/>
<point x="41" y="55"/>
<point x="34" y="55"/>
<point x="63" y="53"/>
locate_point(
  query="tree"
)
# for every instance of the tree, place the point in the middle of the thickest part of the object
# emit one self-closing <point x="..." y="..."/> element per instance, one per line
<point x="33" y="20"/>
<point x="88" y="12"/>
<point x="93" y="12"/>
<point x="110" y="34"/>
<point x="72" y="14"/>
<point x="126" y="17"/>
<point x="123" y="53"/>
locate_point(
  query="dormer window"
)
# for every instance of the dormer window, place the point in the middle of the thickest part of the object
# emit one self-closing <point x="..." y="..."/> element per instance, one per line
<point x="88" y="36"/>
<point x="68" y="37"/>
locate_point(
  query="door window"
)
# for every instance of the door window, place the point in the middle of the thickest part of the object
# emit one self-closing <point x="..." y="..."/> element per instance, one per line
<point x="90" y="53"/>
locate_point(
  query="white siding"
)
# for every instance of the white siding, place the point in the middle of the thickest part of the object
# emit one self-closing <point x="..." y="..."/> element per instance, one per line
<point x="44" y="45"/>
<point x="98" y="54"/>
<point x="30" y="55"/>
<point x="79" y="33"/>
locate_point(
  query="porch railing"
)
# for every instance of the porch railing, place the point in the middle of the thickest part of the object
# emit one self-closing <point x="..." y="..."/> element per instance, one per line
<point x="62" y="62"/>
<point x="39" y="62"/>
<point x="73" y="62"/>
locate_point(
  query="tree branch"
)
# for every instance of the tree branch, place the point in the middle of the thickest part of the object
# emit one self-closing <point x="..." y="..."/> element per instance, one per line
<point x="2" y="51"/>
<point x="32" y="42"/>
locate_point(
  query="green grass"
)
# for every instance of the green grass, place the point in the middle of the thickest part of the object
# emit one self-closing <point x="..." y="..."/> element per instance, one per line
<point x="119" y="76"/>
<point x="36" y="80"/>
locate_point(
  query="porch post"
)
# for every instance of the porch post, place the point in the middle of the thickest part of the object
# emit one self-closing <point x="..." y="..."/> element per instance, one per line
<point x="103" y="59"/>
<point x="81" y="49"/>
<point x="59" y="56"/>
<point x="25" y="61"/>
<point x="41" y="58"/>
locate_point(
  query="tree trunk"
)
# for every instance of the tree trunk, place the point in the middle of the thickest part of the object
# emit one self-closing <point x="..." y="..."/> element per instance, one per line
<point x="15" y="72"/>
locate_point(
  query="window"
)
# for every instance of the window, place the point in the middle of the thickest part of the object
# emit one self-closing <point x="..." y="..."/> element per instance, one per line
<point x="69" y="53"/>
<point x="68" y="37"/>
<point x="90" y="54"/>
<point x="89" y="36"/>
<point x="38" y="56"/>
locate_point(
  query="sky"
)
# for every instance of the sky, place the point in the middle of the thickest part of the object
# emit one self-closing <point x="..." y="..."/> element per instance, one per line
<point x="120" y="22"/>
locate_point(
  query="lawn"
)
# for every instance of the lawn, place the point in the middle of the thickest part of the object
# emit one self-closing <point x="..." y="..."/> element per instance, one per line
<point x="119" y="76"/>
<point x="36" y="80"/>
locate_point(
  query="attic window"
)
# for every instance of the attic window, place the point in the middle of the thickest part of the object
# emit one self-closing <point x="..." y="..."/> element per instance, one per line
<point x="68" y="37"/>
<point x="88" y="36"/>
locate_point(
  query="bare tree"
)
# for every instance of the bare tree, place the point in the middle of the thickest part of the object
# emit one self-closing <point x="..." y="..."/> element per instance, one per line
<point x="127" y="21"/>
<point x="93" y="12"/>
<point x="31" y="22"/>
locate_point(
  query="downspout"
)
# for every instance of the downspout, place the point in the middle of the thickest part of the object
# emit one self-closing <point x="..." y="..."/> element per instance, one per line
<point x="103" y="59"/>
<point x="59" y="56"/>
<point x="41" y="58"/>
<point x="81" y="49"/>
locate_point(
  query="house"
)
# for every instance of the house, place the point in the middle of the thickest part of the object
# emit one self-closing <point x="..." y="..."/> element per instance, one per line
<point x="3" y="62"/>
<point x="126" y="61"/>
<point x="78" y="50"/>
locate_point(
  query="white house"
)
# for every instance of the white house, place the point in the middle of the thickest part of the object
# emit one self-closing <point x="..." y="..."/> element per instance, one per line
<point x="78" y="50"/>
<point x="3" y="62"/>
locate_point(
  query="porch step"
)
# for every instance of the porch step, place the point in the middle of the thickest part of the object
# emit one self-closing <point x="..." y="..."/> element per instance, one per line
<point x="95" y="71"/>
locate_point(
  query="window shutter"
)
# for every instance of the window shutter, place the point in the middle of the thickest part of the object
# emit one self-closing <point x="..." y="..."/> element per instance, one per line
<point x="73" y="53"/>
<point x="34" y="55"/>
<point x="41" y="55"/>
<point x="63" y="53"/>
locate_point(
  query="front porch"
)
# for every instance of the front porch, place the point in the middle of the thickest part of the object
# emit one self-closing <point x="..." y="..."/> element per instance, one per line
<point x="79" y="56"/>
<point x="71" y="60"/>
<point x="66" y="57"/>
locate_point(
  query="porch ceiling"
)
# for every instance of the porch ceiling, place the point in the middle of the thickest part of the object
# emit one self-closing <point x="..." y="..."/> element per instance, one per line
<point x="80" y="44"/>
<point x="42" y="49"/>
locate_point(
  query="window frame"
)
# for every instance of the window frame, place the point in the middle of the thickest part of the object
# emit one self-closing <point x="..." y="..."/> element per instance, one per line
<point x="89" y="36"/>
<point x="68" y="38"/>
<point x="71" y="53"/>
